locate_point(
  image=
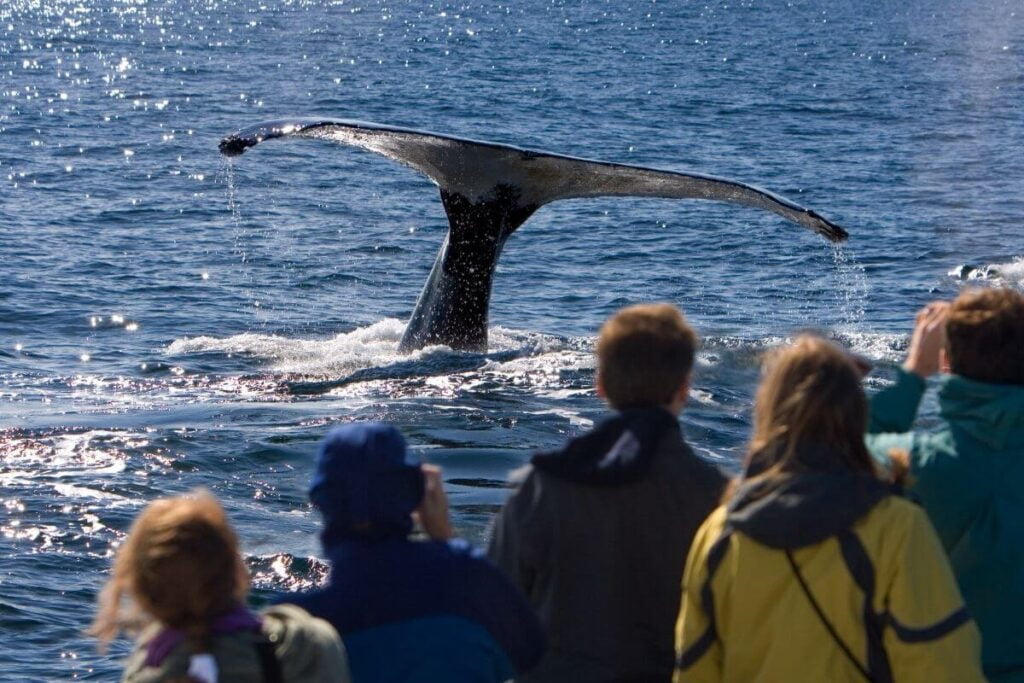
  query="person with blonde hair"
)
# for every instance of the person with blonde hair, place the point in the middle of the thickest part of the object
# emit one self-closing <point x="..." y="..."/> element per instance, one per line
<point x="812" y="569"/>
<point x="596" y="533"/>
<point x="183" y="578"/>
<point x="968" y="471"/>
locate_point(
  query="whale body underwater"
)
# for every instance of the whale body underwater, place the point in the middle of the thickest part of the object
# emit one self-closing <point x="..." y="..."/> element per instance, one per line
<point x="488" y="190"/>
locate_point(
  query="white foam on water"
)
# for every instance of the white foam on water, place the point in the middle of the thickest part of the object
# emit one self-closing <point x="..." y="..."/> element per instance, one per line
<point x="375" y="345"/>
<point x="546" y="363"/>
<point x="65" y="456"/>
<point x="72" y="465"/>
<point x="715" y="348"/>
<point x="72" y="491"/>
<point x="876" y="346"/>
<point x="546" y="367"/>
<point x="506" y="339"/>
<point x="726" y="457"/>
<point x="372" y="346"/>
<point x="704" y="397"/>
<point x="1009" y="274"/>
<point x="574" y="419"/>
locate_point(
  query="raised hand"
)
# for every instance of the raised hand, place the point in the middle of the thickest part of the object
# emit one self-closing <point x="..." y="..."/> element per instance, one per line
<point x="432" y="513"/>
<point x="928" y="340"/>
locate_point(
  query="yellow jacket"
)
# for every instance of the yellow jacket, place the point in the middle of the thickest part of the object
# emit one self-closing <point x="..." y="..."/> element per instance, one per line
<point x="872" y="563"/>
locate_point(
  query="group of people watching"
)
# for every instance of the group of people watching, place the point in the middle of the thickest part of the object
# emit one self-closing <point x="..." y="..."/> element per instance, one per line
<point x="849" y="548"/>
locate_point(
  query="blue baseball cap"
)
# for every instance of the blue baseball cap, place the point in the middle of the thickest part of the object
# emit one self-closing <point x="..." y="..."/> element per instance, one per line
<point x="366" y="482"/>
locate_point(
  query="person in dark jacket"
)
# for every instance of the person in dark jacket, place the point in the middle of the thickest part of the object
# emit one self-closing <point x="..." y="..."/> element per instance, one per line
<point x="597" y="533"/>
<point x="408" y="610"/>
<point x="968" y="471"/>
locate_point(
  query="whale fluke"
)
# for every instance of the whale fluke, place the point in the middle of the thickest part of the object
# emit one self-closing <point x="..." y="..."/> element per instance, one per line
<point x="488" y="190"/>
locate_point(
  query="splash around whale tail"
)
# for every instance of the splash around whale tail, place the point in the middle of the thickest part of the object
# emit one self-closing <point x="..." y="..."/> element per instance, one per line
<point x="488" y="190"/>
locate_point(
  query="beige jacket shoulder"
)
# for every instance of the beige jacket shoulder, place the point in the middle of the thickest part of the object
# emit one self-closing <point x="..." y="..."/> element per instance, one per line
<point x="308" y="649"/>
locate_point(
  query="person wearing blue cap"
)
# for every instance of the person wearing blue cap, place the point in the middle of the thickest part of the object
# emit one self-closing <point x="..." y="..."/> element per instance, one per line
<point x="409" y="610"/>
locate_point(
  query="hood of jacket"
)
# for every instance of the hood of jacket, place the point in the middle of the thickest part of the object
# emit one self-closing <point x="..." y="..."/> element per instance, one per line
<point x="618" y="451"/>
<point x="366" y="483"/>
<point x="991" y="413"/>
<point x="804" y="508"/>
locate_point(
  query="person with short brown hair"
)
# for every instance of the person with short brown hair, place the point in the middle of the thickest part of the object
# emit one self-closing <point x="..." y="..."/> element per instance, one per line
<point x="985" y="336"/>
<point x="596" y="533"/>
<point x="186" y="585"/>
<point x="969" y="472"/>
<point x="644" y="354"/>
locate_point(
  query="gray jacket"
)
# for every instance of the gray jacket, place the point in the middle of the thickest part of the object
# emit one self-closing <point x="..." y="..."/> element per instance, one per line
<point x="603" y="564"/>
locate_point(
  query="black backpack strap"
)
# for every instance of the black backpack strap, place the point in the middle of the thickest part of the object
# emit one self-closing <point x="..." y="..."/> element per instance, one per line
<point x="863" y="572"/>
<point x="825" y="621"/>
<point x="855" y="556"/>
<point x="698" y="649"/>
<point x="269" y="663"/>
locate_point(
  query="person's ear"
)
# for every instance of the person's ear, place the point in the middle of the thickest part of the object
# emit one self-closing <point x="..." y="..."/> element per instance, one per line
<point x="679" y="399"/>
<point x="600" y="387"/>
<point x="242" y="580"/>
<point x="944" y="362"/>
<point x="684" y="390"/>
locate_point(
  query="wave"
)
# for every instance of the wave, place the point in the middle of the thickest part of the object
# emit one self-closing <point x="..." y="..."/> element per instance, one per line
<point x="517" y="357"/>
<point x="884" y="347"/>
<point x="1010" y="273"/>
<point x="78" y="469"/>
<point x="365" y="364"/>
<point x="373" y="346"/>
<point x="284" y="572"/>
<point x="875" y="346"/>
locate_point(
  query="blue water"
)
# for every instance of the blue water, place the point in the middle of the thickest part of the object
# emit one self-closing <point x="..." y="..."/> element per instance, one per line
<point x="158" y="306"/>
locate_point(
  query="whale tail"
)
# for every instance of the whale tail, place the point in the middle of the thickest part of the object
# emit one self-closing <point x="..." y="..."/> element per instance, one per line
<point x="488" y="191"/>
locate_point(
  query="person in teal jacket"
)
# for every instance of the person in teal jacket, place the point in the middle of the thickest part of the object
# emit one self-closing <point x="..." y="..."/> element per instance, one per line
<point x="968" y="473"/>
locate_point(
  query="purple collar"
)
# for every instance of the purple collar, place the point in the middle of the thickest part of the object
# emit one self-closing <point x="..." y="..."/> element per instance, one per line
<point x="161" y="645"/>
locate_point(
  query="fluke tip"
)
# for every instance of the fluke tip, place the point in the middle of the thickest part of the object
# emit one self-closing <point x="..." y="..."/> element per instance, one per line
<point x="233" y="146"/>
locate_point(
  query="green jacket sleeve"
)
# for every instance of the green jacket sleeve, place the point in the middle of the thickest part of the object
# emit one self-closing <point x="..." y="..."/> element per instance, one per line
<point x="929" y="636"/>
<point x="894" y="408"/>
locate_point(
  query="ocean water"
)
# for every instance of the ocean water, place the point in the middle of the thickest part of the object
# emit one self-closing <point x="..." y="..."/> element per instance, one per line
<point x="169" y="320"/>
